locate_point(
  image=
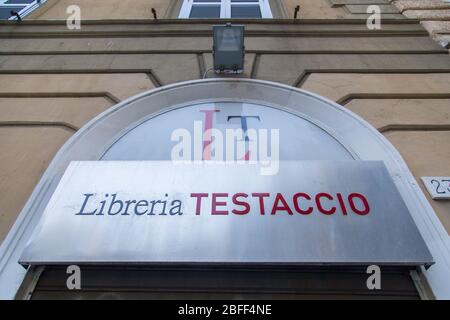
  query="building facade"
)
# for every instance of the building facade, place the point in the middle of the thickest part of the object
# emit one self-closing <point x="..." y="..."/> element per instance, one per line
<point x="54" y="79"/>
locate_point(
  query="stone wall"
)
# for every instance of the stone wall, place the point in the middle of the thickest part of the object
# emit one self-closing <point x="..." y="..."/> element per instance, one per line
<point x="54" y="80"/>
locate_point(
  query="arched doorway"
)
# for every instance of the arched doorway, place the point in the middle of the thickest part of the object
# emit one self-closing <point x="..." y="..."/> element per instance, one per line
<point x="311" y="128"/>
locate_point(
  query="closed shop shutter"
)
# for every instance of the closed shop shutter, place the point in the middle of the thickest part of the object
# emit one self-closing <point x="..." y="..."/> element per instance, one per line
<point x="224" y="283"/>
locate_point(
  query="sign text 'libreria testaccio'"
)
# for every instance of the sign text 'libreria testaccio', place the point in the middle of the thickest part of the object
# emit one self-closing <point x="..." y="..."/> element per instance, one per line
<point x="323" y="212"/>
<point x="241" y="204"/>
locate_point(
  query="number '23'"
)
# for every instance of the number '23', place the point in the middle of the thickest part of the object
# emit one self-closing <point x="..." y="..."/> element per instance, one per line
<point x="441" y="189"/>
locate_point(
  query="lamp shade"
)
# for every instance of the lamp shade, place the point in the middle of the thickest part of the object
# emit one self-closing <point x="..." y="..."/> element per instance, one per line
<point x="229" y="49"/>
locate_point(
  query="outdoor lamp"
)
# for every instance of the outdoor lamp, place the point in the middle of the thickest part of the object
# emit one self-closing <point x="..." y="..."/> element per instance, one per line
<point x="228" y="49"/>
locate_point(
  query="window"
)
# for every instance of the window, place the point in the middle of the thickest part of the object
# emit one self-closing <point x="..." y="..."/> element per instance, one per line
<point x="214" y="9"/>
<point x="23" y="7"/>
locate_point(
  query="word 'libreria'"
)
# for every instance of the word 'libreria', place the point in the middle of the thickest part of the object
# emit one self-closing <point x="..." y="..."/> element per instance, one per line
<point x="217" y="204"/>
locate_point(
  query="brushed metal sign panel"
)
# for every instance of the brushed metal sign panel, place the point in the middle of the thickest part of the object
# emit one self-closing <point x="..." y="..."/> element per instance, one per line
<point x="311" y="212"/>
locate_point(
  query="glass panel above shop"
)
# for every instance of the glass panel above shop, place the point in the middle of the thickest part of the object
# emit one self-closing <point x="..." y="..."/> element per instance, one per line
<point x="300" y="139"/>
<point x="21" y="7"/>
<point x="205" y="11"/>
<point x="245" y="11"/>
<point x="5" y="12"/>
<point x="19" y="1"/>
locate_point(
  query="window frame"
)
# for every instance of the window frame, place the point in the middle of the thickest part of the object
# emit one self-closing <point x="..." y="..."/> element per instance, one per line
<point x="28" y="7"/>
<point x="225" y="8"/>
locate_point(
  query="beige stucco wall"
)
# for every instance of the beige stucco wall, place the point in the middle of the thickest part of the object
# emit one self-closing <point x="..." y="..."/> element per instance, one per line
<point x="313" y="9"/>
<point x="32" y="129"/>
<point x="395" y="104"/>
<point x="26" y="153"/>
<point x="141" y="9"/>
<point x="104" y="9"/>
<point x="52" y="81"/>
<point x="426" y="153"/>
<point x="38" y="113"/>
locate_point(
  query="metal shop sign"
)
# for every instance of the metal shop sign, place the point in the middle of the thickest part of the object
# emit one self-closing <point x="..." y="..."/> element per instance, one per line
<point x="311" y="212"/>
